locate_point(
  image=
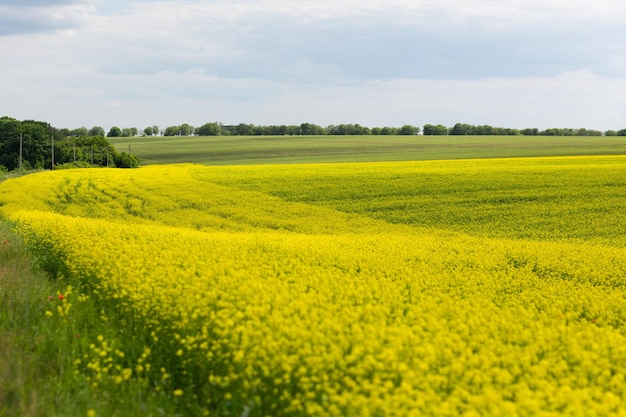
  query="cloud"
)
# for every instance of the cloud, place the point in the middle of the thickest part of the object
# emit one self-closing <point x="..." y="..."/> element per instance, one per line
<point x="37" y="3"/>
<point x="30" y="16"/>
<point x="343" y="40"/>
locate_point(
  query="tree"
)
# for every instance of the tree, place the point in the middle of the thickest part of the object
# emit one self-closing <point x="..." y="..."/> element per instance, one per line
<point x="129" y="132"/>
<point x="461" y="129"/>
<point x="242" y="129"/>
<point x="486" y="130"/>
<point x="587" y="132"/>
<point x="185" y="130"/>
<point x="37" y="139"/>
<point x="555" y="131"/>
<point x="209" y="129"/>
<point x="435" y="130"/>
<point x="126" y="160"/>
<point x="408" y="130"/>
<point x="148" y="131"/>
<point x="172" y="131"/>
<point x="114" y="132"/>
<point x="96" y="131"/>
<point x="530" y="132"/>
<point x="182" y="130"/>
<point x="388" y="131"/>
<point x="293" y="130"/>
<point x="10" y="131"/>
<point x="281" y="130"/>
<point x="91" y="151"/>
<point x="348" y="129"/>
<point x="311" y="129"/>
<point x="81" y="131"/>
<point x="156" y="130"/>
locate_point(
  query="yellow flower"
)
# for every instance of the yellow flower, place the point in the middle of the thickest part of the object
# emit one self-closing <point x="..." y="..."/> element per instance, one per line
<point x="417" y="288"/>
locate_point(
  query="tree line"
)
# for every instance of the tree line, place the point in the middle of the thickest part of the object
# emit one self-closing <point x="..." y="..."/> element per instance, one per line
<point x="243" y="129"/>
<point x="31" y="144"/>
<point x="34" y="144"/>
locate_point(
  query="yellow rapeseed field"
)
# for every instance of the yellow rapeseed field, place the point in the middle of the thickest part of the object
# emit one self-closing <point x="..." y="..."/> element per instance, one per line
<point x="423" y="288"/>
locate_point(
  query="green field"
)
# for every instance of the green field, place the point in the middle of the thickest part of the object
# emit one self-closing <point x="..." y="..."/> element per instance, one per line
<point x="241" y="150"/>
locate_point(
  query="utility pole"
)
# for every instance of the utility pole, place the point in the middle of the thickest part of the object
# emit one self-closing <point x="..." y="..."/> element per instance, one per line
<point x="92" y="154"/>
<point x="21" y="151"/>
<point x="74" y="151"/>
<point x="53" y="154"/>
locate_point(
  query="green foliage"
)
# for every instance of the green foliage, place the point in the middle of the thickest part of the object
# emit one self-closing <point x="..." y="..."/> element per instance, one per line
<point x="530" y="132"/>
<point x="182" y="130"/>
<point x="72" y="148"/>
<point x="570" y="132"/>
<point x="36" y="138"/>
<point x="114" y="132"/>
<point x="125" y="160"/>
<point x="311" y="129"/>
<point x="430" y="130"/>
<point x="149" y="131"/>
<point x="209" y="129"/>
<point x="52" y="334"/>
<point x="467" y="129"/>
<point x="129" y="131"/>
<point x="96" y="131"/>
<point x="92" y="150"/>
<point x="72" y="165"/>
<point x="409" y="130"/>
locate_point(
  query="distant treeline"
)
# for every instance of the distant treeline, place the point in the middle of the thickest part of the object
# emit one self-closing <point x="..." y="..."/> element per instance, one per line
<point x="243" y="129"/>
<point x="35" y="144"/>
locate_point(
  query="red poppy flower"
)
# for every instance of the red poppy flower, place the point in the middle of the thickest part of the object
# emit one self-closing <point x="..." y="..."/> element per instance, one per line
<point x="61" y="296"/>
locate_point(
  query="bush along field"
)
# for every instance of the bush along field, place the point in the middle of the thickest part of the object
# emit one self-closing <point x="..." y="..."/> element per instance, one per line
<point x="483" y="287"/>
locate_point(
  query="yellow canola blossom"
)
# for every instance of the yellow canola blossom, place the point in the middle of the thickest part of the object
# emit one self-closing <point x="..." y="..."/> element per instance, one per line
<point x="287" y="308"/>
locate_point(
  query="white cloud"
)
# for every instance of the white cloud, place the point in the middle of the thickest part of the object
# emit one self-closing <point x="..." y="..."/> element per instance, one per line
<point x="39" y="16"/>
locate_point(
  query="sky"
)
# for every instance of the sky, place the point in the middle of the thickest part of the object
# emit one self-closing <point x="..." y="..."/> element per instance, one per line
<point x="139" y="63"/>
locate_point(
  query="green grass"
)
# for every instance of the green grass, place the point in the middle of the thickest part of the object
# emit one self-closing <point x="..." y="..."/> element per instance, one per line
<point x="242" y="150"/>
<point x="39" y="346"/>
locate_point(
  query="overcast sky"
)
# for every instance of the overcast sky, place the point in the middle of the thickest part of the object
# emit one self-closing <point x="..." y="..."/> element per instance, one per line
<point x="133" y="63"/>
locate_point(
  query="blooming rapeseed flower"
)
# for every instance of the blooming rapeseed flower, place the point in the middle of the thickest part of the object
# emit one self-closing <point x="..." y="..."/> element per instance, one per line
<point x="349" y="290"/>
